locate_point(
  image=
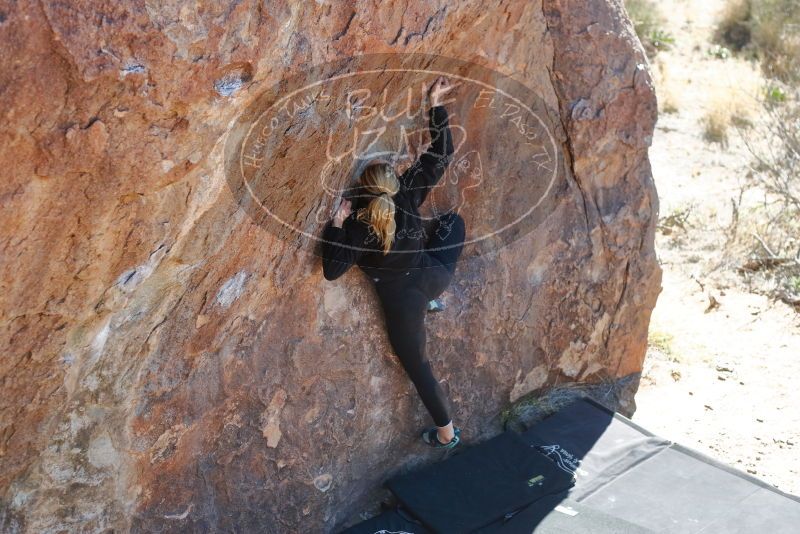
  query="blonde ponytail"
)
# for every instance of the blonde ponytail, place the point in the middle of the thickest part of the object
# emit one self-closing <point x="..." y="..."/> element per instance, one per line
<point x="380" y="179"/>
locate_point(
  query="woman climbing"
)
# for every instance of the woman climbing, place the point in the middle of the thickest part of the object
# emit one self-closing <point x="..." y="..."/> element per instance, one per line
<point x="384" y="236"/>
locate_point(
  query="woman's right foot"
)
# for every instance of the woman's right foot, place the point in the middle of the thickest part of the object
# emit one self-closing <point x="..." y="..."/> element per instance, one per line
<point x="431" y="437"/>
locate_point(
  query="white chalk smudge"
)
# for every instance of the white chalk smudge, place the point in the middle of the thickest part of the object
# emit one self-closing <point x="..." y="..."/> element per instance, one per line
<point x="132" y="68"/>
<point x="184" y="515"/>
<point x="102" y="453"/>
<point x="131" y="278"/>
<point x="231" y="289"/>
<point x="99" y="341"/>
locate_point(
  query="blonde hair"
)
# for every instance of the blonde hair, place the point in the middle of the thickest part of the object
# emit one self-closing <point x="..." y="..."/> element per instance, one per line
<point x="380" y="179"/>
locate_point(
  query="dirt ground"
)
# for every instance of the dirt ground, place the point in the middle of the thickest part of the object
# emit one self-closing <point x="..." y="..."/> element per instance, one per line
<point x="723" y="379"/>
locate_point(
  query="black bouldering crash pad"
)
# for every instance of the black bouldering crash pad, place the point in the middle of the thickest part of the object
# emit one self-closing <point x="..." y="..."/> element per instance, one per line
<point x="602" y="473"/>
<point x="478" y="485"/>
<point x="625" y="471"/>
<point x="390" y="521"/>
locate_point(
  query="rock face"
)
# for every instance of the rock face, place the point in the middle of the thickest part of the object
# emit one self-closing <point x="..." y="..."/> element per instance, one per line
<point x="169" y="364"/>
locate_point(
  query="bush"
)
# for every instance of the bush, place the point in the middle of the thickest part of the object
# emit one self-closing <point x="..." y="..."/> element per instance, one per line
<point x="734" y="28"/>
<point x="774" y="259"/>
<point x="768" y="30"/>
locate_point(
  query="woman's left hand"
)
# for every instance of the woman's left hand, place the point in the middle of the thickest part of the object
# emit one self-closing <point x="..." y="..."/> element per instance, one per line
<point x="341" y="213"/>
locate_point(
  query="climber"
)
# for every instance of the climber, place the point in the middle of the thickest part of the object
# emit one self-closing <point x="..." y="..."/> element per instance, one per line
<point x="385" y="238"/>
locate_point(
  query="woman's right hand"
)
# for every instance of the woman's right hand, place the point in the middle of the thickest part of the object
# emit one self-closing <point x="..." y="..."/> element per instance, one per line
<point x="437" y="91"/>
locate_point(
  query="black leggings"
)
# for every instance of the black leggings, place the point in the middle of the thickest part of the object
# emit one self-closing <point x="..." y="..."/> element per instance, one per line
<point x="405" y="304"/>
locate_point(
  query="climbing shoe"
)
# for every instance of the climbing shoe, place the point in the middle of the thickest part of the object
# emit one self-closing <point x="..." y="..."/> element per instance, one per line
<point x="435" y="305"/>
<point x="431" y="437"/>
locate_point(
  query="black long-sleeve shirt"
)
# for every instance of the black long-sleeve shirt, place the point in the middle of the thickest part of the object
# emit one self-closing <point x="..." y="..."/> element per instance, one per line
<point x="355" y="243"/>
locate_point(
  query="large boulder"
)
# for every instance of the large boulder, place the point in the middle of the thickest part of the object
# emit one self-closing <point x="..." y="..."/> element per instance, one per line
<point x="174" y="361"/>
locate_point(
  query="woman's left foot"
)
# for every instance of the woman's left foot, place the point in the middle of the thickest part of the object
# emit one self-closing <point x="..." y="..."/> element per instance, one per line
<point x="435" y="305"/>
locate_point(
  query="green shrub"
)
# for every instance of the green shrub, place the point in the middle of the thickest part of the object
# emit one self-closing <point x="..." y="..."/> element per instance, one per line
<point x="775" y="94"/>
<point x="648" y="21"/>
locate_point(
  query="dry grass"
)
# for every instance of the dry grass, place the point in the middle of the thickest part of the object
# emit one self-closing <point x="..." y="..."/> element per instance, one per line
<point x="661" y="341"/>
<point x="668" y="90"/>
<point x="767" y="248"/>
<point x="668" y="105"/>
<point x="729" y="108"/>
<point x="726" y="93"/>
<point x="715" y="126"/>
